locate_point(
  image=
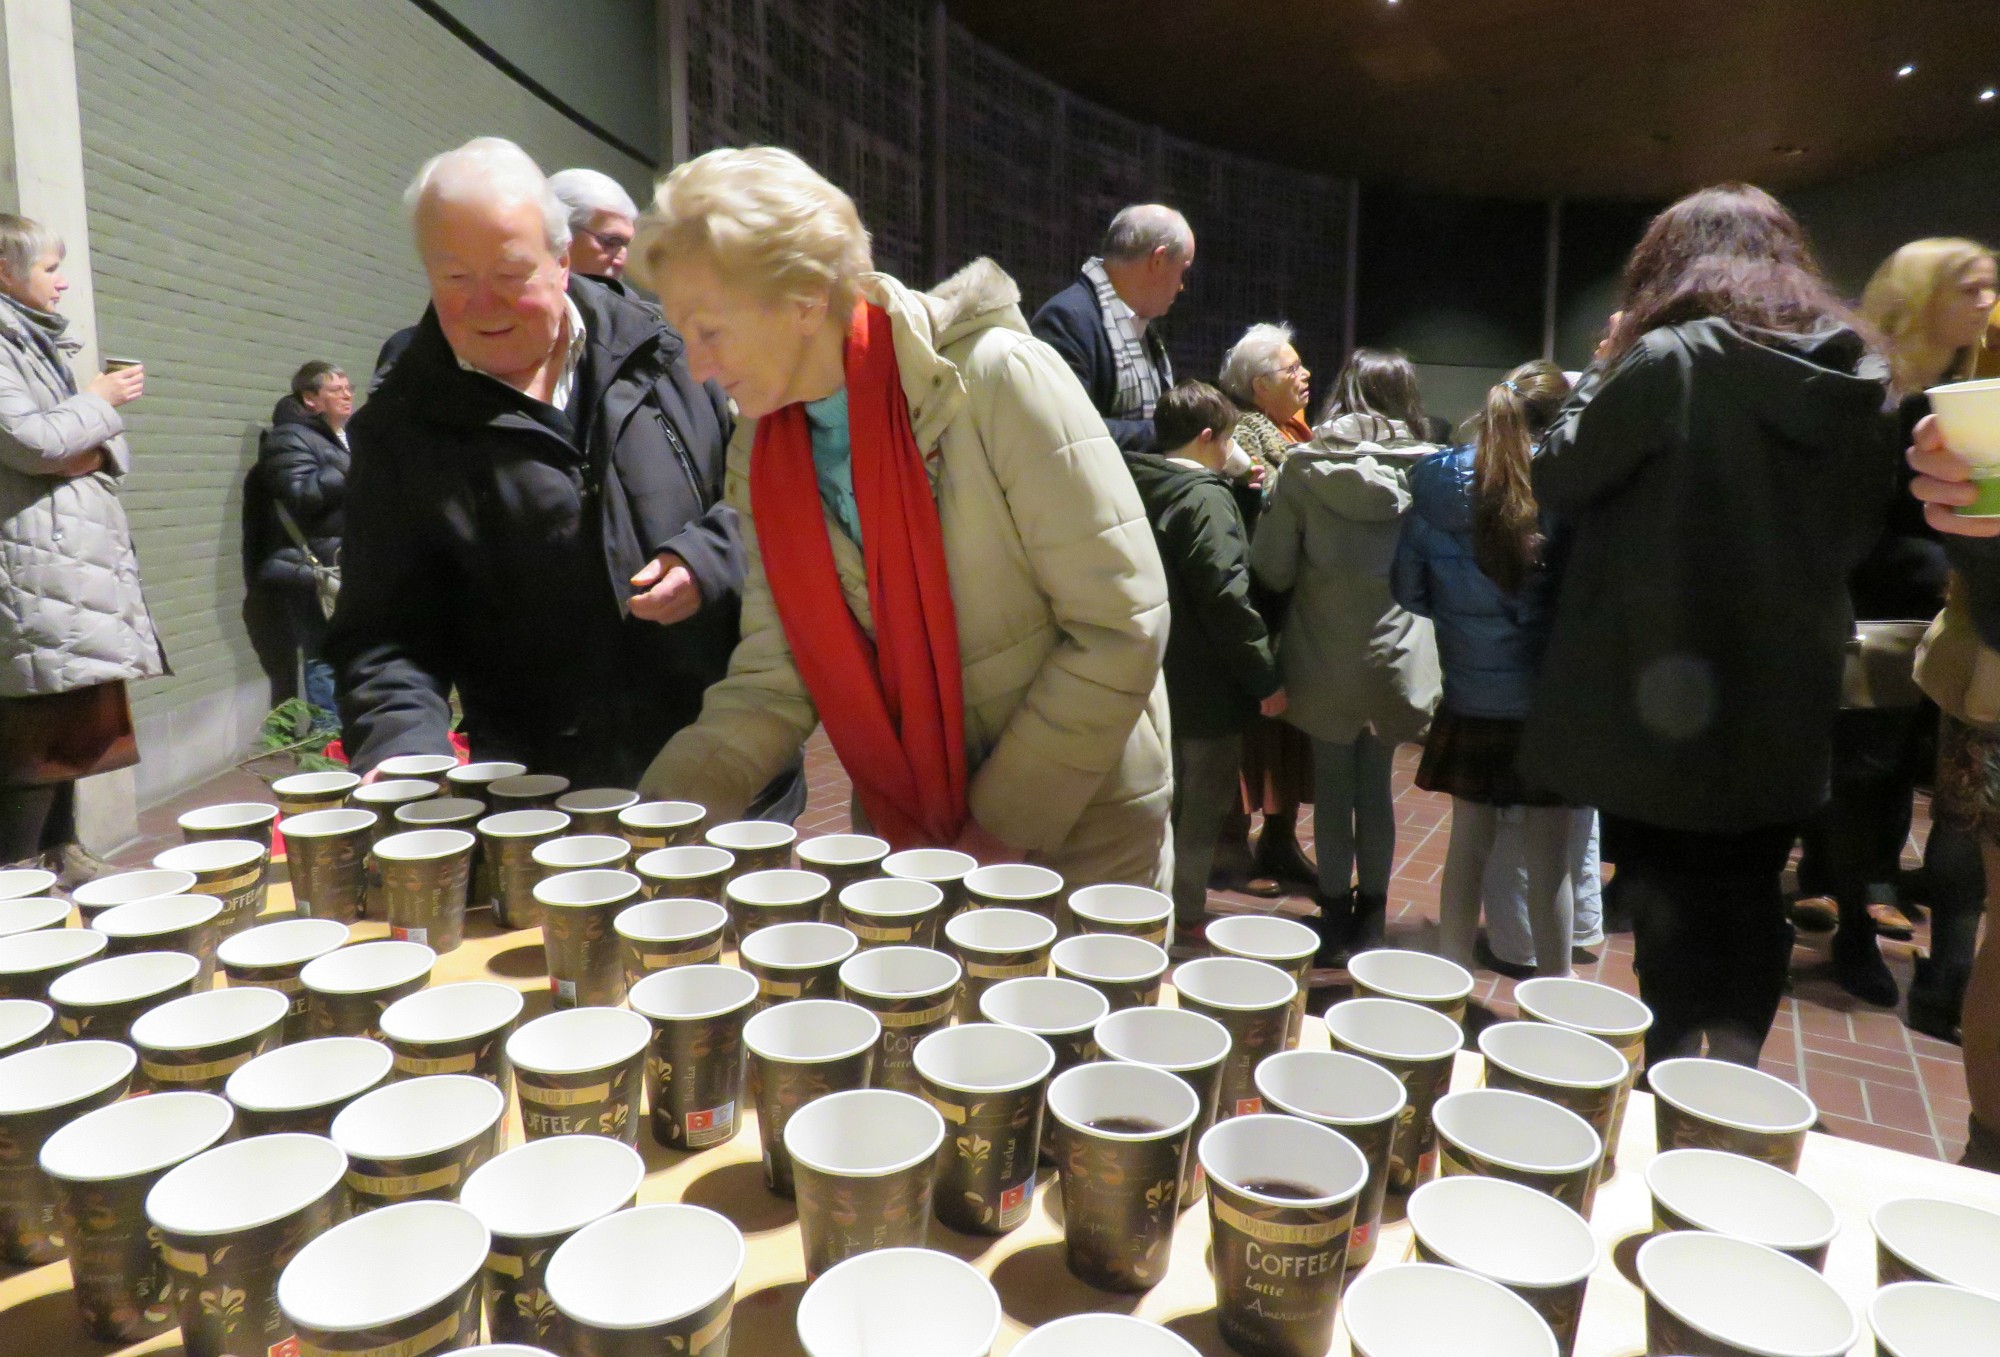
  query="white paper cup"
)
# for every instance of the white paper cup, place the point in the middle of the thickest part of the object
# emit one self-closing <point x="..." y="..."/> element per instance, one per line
<point x="693" y="871"/>
<point x="892" y="911"/>
<point x="660" y="824"/>
<point x="1704" y="1290"/>
<point x="41" y="1090"/>
<point x="122" y="888"/>
<point x="944" y="868"/>
<point x="758" y="845"/>
<point x="231" y="820"/>
<point x="471" y="780"/>
<point x="1425" y="1310"/>
<point x="102" y="998"/>
<point x="1715" y="1105"/>
<point x="1014" y="885"/>
<point x="582" y="852"/>
<point x="274" y="955"/>
<point x="1925" y="1239"/>
<point x="304" y="792"/>
<point x="166" y="923"/>
<point x="1417" y="1045"/>
<point x="429" y="766"/>
<point x="20" y="883"/>
<point x="405" y="1278"/>
<point x="30" y="962"/>
<point x="797" y="960"/>
<point x="1613" y="1016"/>
<point x="991" y="1084"/>
<point x="1103" y="1336"/>
<point x="1742" y="1198"/>
<point x="863" y="1163"/>
<point x="1569" y="1068"/>
<point x="1524" y="1139"/>
<point x="301" y="1088"/>
<point x="996" y="944"/>
<point x="1121" y="1137"/>
<point x="762" y="899"/>
<point x="31" y="914"/>
<point x="657" y="935"/>
<point x="1191" y="1045"/>
<point x="580" y="909"/>
<point x="1065" y="1013"/>
<point x="1924" y="1319"/>
<point x="912" y="990"/>
<point x="800" y="1051"/>
<point x="1528" y="1242"/>
<point x="234" y="871"/>
<point x="419" y="1139"/>
<point x="460" y="1028"/>
<point x="941" y="1308"/>
<point x="1356" y="1097"/>
<point x="25" y="1024"/>
<point x="581" y="1071"/>
<point x="197" y="1042"/>
<point x="1285" y="943"/>
<point x="1133" y="911"/>
<point x="1254" y="1000"/>
<point x="842" y="859"/>
<point x="658" y="1278"/>
<point x="1126" y="970"/>
<point x="595" y="809"/>
<point x="1414" y="977"/>
<point x="694" y="1068"/>
<point x="347" y="989"/>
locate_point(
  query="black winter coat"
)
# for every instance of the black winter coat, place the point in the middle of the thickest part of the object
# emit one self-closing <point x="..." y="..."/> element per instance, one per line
<point x="303" y="467"/>
<point x="1072" y="323"/>
<point x="1719" y="484"/>
<point x="491" y="538"/>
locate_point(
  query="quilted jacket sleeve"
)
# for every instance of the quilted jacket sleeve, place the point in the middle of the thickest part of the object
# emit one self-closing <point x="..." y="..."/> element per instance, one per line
<point x="35" y="438"/>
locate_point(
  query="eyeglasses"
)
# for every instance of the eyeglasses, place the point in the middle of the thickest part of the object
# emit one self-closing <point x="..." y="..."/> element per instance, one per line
<point x="1292" y="370"/>
<point x="611" y="244"/>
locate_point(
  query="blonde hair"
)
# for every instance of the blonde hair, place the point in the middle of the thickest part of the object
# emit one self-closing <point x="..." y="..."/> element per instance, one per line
<point x="23" y="241"/>
<point x="763" y="218"/>
<point x="1898" y="303"/>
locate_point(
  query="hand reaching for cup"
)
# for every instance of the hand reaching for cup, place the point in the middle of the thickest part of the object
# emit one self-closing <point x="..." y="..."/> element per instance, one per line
<point x="118" y="388"/>
<point x="670" y="591"/>
<point x="1944" y="482"/>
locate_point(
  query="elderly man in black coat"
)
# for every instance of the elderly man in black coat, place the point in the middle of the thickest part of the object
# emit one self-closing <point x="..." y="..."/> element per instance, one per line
<point x="535" y="515"/>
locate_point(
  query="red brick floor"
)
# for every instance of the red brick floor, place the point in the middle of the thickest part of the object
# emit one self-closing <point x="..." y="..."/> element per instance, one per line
<point x="1873" y="1079"/>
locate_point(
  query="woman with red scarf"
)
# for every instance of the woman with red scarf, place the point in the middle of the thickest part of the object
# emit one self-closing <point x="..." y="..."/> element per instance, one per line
<point x="948" y="563"/>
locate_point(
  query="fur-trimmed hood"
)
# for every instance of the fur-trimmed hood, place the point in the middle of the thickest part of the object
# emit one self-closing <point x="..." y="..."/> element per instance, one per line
<point x="978" y="297"/>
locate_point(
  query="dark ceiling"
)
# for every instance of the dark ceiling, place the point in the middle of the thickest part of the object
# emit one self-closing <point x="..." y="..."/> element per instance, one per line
<point x="1532" y="98"/>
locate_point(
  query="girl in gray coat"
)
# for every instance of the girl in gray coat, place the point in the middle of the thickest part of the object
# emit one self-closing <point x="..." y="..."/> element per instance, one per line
<point x="73" y="625"/>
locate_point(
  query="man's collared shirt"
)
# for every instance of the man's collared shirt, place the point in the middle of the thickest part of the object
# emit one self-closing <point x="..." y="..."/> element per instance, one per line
<point x="572" y="358"/>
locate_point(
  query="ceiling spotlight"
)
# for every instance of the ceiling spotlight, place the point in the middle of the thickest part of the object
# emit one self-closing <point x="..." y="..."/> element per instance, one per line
<point x="1988" y="95"/>
<point x="1906" y="70"/>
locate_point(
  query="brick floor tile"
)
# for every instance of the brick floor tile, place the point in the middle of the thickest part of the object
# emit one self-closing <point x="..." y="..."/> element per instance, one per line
<point x="1870" y="1055"/>
<point x="1839" y="1094"/>
<point x="1872" y="1073"/>
<point x="1905" y="1109"/>
<point x="1889" y="1137"/>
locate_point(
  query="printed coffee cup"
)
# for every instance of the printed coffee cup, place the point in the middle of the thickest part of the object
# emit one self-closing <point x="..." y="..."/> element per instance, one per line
<point x="579" y="1072"/>
<point x="41" y="1091"/>
<point x="1492" y="1133"/>
<point x="1612" y="1016"/>
<point x="1414" y="977"/>
<point x="1415" y="1044"/>
<point x="231" y="870"/>
<point x="122" y="888"/>
<point x="531" y="1199"/>
<point x="579" y="911"/>
<point x="525" y="791"/>
<point x="1357" y="1098"/>
<point x="1715" y="1105"/>
<point x="1131" y="911"/>
<point x="273" y="955"/>
<point x="658" y="935"/>
<point x="1707" y="1293"/>
<point x="102" y="998"/>
<point x="801" y="1051"/>
<point x="911" y="990"/>
<point x="431" y="767"/>
<point x="1064" y="1013"/>
<point x="382" y="800"/>
<point x="944" y="1308"/>
<point x="329" y="859"/>
<point x="766" y="898"/>
<point x="1424" y="1308"/>
<point x="474" y="781"/>
<point x="685" y="872"/>
<point x="843" y="859"/>
<point x="418" y="1140"/>
<point x="196" y="1043"/>
<point x="1121" y="1138"/>
<point x="1125" y="970"/>
<point x="796" y="961"/>
<point x="426" y="875"/>
<point x="1192" y="1046"/>
<point x="443" y="812"/>
<point x="103" y="1164"/>
<point x="454" y="1029"/>
<point x="1097" y="1335"/>
<point x="22" y="883"/>
<point x="1281" y="1204"/>
<point x="1923" y="1319"/>
<point x="655" y="1279"/>
<point x="661" y="824"/>
<point x="166" y="923"/>
<point x="694" y="1064"/>
<point x="594" y="810"/>
<point x="892" y="912"/>
<point x="399" y="1282"/>
<point x="1527" y="1242"/>
<point x="993" y="945"/>
<point x="1922" y="1239"/>
<point x="508" y="842"/>
<point x="1284" y="943"/>
<point x="1742" y="1198"/>
<point x="863" y="1165"/>
<point x="301" y="1088"/>
<point x="582" y="853"/>
<point x="1253" y="1000"/>
<point x="990" y="1084"/>
<point x="234" y="820"/>
<point x="1569" y="1068"/>
<point x="944" y="868"/>
<point x="757" y="845"/>
<point x="31" y="962"/>
<point x="32" y="915"/>
<point x="1014" y="885"/>
<point x="25" y="1024"/>
<point x="347" y="989"/>
<point x="303" y="793"/>
<point x="229" y="1220"/>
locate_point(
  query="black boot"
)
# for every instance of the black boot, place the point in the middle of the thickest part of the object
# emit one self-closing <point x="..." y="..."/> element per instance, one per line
<point x="1335" y="926"/>
<point x="1279" y="855"/>
<point x="1371" y="920"/>
<point x="1937" y="995"/>
<point x="1858" y="965"/>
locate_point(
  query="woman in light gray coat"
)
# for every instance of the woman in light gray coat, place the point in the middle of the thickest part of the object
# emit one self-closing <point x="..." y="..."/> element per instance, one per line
<point x="73" y="624"/>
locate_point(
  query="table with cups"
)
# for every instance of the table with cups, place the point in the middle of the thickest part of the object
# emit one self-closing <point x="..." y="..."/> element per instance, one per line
<point x="667" y="1087"/>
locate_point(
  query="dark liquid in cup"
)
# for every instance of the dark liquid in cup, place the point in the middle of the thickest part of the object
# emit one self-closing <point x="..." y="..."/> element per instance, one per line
<point x="1286" y="1191"/>
<point x="1127" y="1126"/>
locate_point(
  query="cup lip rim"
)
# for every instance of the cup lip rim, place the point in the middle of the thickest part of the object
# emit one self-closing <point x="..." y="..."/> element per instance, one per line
<point x="29" y="873"/>
<point x="1542" y="1107"/>
<point x="1293" y="1107"/>
<point x="1887" y="1241"/>
<point x="1119" y="1323"/>
<point x="1235" y="1126"/>
<point x="223" y="948"/>
<point x="1730" y="1071"/>
<point x="85" y="896"/>
<point x="934" y="1131"/>
<point x="1291" y="985"/>
<point x="846" y="1052"/>
<point x="851" y="944"/>
<point x="450" y="844"/>
<point x="453" y="763"/>
<point x="1053" y="881"/>
<point x="1572" y="1221"/>
<point x="545" y="821"/>
<point x="1045" y="1058"/>
<point x="765" y="830"/>
<point x="1175" y="1067"/>
<point x="820" y="841"/>
<point x="47" y="1018"/>
<point x="373" y="1220"/>
<point x="648" y="1211"/>
<point x="601" y="793"/>
<point x="1981" y="1299"/>
<point x="700" y="814"/>
<point x="875" y="991"/>
<point x="1042" y="922"/>
<point x="629" y="1159"/>
<point x="92" y="941"/>
<point x="1758" y="1169"/>
<point x="1524" y="1001"/>
<point x="872" y="1259"/>
<point x="715" y="925"/>
<point x="402" y="975"/>
<point x="163" y="1157"/>
<point x="1971" y="386"/>
<point x="646" y="1007"/>
<point x="613" y="851"/>
<point x="538" y="785"/>
<point x="803" y="892"/>
<point x="1624" y="1070"/>
<point x="1151" y="972"/>
<point x="951" y="872"/>
<point x="123" y="1059"/>
<point x="1307" y="946"/>
<point x="430" y="1142"/>
<point x="234" y="862"/>
<point x="1708" y="1238"/>
<point x="266" y="813"/>
<point x="1399" y="956"/>
<point x="344" y="821"/>
<point x="1066" y="1031"/>
<point x="486" y="987"/>
<point x="45" y="920"/>
<point x="393" y="791"/>
<point x="639" y="863"/>
<point x="378" y="1051"/>
<point x="1376" y="1050"/>
<point x="636" y="1038"/>
<point x="272" y="1211"/>
<point x="451" y="811"/>
<point x="1158" y="904"/>
<point x="873" y="887"/>
<point x="621" y="892"/>
<point x="185" y="969"/>
<point x="1126" y="1137"/>
<point x="479" y="772"/>
<point x="245" y="1026"/>
<point x="322" y="783"/>
<point x="1369" y="1281"/>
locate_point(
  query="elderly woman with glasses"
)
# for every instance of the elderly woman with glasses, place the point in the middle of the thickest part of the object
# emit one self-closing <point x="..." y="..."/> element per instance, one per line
<point x="948" y="563"/>
<point x="1262" y="373"/>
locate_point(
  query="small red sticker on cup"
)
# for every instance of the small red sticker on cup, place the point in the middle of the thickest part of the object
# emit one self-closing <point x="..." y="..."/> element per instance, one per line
<point x="1014" y="1196"/>
<point x="409" y="934"/>
<point x="288" y="1348"/>
<point x="1248" y="1106"/>
<point x="710" y="1125"/>
<point x="1358" y="1237"/>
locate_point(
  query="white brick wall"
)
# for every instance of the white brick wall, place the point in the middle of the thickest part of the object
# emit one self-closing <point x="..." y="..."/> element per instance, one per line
<point x="244" y="161"/>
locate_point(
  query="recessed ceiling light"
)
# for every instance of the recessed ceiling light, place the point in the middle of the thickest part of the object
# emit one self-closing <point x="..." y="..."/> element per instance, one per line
<point x="1988" y="95"/>
<point x="1788" y="150"/>
<point x="1906" y="70"/>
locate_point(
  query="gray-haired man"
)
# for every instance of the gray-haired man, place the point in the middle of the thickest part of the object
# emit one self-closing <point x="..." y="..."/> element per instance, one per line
<point x="602" y="216"/>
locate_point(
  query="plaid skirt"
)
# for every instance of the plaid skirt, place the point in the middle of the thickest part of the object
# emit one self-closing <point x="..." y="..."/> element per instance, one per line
<point x="1472" y="757"/>
<point x="60" y="737"/>
<point x="1968" y="778"/>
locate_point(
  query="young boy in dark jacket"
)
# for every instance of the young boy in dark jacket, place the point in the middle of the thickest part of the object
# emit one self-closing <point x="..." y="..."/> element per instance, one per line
<point x="1220" y="668"/>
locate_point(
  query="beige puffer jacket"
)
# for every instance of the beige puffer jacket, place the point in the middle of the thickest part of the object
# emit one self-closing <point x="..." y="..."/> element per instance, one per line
<point x="1060" y="595"/>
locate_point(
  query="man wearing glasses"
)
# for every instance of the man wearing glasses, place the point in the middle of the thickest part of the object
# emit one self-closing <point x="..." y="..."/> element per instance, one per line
<point x="601" y="218"/>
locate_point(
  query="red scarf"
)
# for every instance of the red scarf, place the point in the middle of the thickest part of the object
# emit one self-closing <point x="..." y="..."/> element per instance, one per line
<point x="894" y="707"/>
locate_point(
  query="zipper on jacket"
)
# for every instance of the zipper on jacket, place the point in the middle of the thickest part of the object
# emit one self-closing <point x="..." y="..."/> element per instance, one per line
<point x="688" y="467"/>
